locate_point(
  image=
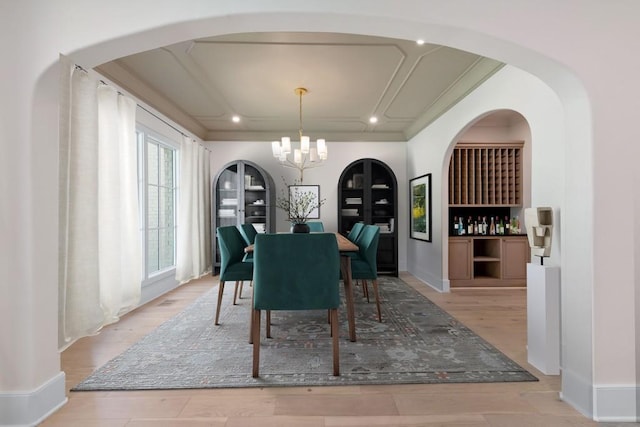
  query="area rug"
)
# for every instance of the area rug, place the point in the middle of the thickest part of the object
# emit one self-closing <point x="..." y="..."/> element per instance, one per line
<point x="417" y="342"/>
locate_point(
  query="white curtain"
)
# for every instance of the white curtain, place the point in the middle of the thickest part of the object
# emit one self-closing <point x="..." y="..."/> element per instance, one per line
<point x="100" y="248"/>
<point x="194" y="212"/>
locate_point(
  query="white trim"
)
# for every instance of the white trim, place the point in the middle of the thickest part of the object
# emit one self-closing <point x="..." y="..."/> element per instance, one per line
<point x="579" y="392"/>
<point x="153" y="290"/>
<point x="615" y="403"/>
<point x="32" y="407"/>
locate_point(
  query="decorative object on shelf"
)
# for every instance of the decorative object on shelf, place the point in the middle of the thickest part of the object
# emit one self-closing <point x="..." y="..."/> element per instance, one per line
<point x="301" y="203"/>
<point x="539" y="224"/>
<point x="305" y="157"/>
<point x="420" y="207"/>
<point x="358" y="180"/>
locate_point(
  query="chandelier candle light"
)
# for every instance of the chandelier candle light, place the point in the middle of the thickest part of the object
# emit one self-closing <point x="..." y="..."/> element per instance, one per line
<point x="305" y="157"/>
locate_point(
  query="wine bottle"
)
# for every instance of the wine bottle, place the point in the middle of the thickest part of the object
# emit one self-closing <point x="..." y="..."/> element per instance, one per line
<point x="460" y="226"/>
<point x="470" y="226"/>
<point x="455" y="226"/>
<point x="484" y="226"/>
<point x="506" y="224"/>
<point x="492" y="227"/>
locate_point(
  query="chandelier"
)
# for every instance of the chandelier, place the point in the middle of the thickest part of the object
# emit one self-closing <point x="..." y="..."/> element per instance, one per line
<point x="305" y="157"/>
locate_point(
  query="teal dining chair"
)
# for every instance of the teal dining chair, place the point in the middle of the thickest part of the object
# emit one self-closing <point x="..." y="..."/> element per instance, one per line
<point x="364" y="264"/>
<point x="356" y="229"/>
<point x="315" y="226"/>
<point x="295" y="272"/>
<point x="232" y="266"/>
<point x="248" y="232"/>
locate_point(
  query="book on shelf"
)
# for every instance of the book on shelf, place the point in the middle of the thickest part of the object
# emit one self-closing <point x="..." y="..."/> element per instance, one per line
<point x="350" y="212"/>
<point x="226" y="213"/>
<point x="385" y="227"/>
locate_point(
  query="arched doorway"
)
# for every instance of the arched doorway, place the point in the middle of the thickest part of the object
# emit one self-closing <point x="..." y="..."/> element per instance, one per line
<point x="161" y="27"/>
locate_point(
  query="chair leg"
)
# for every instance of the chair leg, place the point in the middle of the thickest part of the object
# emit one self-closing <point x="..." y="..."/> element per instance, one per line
<point x="235" y="292"/>
<point x="256" y="342"/>
<point x="268" y="323"/>
<point x="252" y="313"/>
<point x="365" y="289"/>
<point x="220" y="291"/>
<point x="240" y="290"/>
<point x="375" y="292"/>
<point x="336" y="345"/>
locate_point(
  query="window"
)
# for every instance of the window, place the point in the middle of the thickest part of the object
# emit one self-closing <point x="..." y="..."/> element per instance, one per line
<point x="157" y="188"/>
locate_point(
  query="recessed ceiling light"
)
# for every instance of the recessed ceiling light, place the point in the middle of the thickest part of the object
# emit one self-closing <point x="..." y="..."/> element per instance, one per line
<point x="373" y="119"/>
<point x="420" y="42"/>
<point x="235" y="119"/>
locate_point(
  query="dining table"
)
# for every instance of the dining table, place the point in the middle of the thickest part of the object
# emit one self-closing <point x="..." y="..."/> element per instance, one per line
<point x="345" y="247"/>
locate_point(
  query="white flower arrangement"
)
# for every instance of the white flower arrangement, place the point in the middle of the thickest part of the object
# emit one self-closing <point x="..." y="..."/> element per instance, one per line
<point x="298" y="203"/>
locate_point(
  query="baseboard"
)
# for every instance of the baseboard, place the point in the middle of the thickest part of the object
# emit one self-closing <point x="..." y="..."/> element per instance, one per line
<point x="602" y="403"/>
<point x="31" y="408"/>
<point x="430" y="280"/>
<point x="616" y="403"/>
<point x="157" y="288"/>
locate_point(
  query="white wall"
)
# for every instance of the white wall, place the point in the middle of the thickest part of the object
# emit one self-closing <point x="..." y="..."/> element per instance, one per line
<point x="595" y="80"/>
<point x="512" y="89"/>
<point x="327" y="176"/>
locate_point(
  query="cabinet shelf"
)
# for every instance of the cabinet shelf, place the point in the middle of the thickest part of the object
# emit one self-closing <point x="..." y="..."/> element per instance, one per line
<point x="485" y="259"/>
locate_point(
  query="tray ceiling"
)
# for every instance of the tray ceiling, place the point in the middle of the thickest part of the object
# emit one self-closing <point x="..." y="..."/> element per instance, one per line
<point x="202" y="83"/>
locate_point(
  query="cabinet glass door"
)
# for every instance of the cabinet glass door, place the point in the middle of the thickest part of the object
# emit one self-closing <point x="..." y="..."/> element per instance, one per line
<point x="228" y="198"/>
<point x="352" y="200"/>
<point x="255" y="199"/>
<point x="382" y="199"/>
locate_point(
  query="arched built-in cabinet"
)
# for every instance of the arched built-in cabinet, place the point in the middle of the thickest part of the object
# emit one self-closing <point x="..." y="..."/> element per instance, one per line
<point x="242" y="192"/>
<point x="486" y="246"/>
<point x="368" y="192"/>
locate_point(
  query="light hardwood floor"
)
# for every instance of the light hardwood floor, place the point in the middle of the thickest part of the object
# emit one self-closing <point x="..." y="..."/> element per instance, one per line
<point x="498" y="315"/>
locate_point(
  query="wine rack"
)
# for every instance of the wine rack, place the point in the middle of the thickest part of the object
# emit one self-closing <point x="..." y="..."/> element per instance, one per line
<point x="486" y="175"/>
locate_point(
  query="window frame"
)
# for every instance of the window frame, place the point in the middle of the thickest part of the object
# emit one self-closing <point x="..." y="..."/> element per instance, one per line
<point x="144" y="135"/>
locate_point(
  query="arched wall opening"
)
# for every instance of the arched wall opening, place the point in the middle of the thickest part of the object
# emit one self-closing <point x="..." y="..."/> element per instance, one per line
<point x="163" y="27"/>
<point x="495" y="126"/>
<point x="510" y="89"/>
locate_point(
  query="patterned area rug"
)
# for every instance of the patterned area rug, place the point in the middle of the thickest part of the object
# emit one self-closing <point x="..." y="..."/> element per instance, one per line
<point x="417" y="342"/>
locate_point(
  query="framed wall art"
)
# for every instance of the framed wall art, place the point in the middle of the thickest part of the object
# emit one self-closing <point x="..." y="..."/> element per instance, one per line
<point x="304" y="201"/>
<point x="420" y="208"/>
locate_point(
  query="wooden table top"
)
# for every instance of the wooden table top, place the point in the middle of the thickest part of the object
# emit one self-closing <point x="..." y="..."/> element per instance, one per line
<point x="344" y="244"/>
